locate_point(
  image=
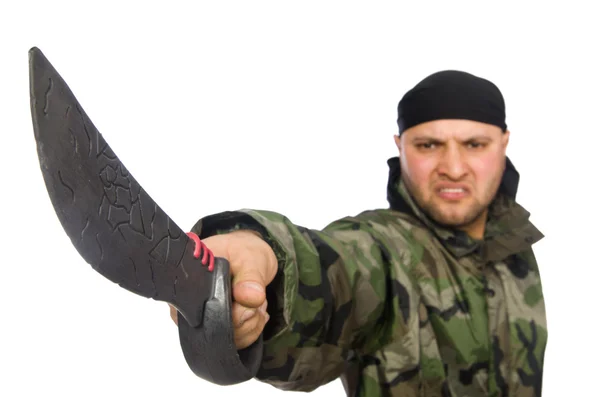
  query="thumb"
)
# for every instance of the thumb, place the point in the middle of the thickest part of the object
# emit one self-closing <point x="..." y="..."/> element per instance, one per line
<point x="249" y="288"/>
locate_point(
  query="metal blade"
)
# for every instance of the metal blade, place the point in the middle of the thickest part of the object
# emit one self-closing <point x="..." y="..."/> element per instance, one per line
<point x="111" y="220"/>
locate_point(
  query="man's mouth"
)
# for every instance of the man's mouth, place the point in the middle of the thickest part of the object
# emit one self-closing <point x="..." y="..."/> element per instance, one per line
<point x="454" y="193"/>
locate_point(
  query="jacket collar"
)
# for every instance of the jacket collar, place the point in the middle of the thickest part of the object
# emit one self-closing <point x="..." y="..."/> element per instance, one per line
<point x="508" y="230"/>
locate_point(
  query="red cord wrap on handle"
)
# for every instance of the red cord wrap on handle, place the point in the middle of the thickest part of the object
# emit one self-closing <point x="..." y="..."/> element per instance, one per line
<point x="201" y="247"/>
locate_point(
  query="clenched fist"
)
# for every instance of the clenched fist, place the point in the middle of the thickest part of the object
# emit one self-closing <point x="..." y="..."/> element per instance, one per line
<point x="253" y="266"/>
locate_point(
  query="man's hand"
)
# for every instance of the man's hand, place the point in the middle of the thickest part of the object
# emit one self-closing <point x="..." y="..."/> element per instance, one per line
<point x="253" y="266"/>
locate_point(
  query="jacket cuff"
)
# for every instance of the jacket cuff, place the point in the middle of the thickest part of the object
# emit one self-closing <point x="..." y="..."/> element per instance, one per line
<point x="281" y="291"/>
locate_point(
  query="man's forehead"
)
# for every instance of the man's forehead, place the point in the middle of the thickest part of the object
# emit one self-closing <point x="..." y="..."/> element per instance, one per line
<point x="449" y="128"/>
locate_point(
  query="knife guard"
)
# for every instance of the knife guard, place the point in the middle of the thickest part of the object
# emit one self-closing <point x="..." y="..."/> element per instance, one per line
<point x="209" y="349"/>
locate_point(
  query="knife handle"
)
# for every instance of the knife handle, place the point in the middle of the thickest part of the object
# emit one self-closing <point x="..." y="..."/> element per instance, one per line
<point x="209" y="349"/>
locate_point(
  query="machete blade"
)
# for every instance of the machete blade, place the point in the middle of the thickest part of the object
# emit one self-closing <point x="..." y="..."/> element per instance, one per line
<point x="111" y="220"/>
<point x="126" y="237"/>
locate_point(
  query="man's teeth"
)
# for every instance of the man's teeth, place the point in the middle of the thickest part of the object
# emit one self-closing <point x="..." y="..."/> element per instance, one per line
<point x="453" y="190"/>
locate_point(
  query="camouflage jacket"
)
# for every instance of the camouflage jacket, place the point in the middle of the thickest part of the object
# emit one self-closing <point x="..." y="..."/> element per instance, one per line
<point x="396" y="305"/>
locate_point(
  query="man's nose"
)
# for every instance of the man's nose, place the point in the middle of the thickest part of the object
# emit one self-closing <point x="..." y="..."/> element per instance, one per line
<point x="452" y="163"/>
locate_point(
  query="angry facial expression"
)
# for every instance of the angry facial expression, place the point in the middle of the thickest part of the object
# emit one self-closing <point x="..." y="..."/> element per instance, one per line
<point x="453" y="169"/>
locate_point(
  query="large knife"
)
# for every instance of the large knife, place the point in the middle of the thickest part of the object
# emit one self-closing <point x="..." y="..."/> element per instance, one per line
<point x="125" y="236"/>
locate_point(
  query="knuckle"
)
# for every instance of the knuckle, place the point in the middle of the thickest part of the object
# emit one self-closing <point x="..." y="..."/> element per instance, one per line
<point x="250" y="330"/>
<point x="250" y="324"/>
<point x="242" y="316"/>
<point x="245" y="339"/>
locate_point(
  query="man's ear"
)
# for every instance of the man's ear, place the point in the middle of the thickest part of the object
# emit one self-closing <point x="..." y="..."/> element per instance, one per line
<point x="398" y="142"/>
<point x="505" y="138"/>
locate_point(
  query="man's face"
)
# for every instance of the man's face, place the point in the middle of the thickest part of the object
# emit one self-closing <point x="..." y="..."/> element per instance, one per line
<point x="453" y="168"/>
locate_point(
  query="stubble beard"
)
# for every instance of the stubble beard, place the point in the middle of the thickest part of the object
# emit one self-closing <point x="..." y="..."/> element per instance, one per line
<point x="443" y="213"/>
<point x="456" y="218"/>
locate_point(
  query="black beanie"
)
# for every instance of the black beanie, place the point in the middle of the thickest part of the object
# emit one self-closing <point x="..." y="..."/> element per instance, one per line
<point x="452" y="94"/>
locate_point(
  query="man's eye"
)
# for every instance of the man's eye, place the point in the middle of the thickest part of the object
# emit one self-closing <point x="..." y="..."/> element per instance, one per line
<point x="475" y="145"/>
<point x="428" y="145"/>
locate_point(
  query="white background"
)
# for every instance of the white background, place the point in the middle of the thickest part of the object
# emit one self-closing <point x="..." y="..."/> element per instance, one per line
<point x="287" y="106"/>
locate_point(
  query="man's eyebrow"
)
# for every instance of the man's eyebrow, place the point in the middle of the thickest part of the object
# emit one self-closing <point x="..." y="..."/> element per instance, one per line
<point x="426" y="138"/>
<point x="478" y="137"/>
<point x="434" y="138"/>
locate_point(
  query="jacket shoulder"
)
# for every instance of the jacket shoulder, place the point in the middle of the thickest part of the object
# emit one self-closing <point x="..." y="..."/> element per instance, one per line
<point x="400" y="235"/>
<point x="389" y="223"/>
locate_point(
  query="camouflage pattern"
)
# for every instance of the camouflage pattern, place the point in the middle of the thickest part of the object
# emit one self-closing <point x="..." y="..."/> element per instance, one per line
<point x="396" y="305"/>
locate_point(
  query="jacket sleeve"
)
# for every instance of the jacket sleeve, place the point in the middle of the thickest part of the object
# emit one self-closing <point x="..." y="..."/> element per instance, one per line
<point x="327" y="301"/>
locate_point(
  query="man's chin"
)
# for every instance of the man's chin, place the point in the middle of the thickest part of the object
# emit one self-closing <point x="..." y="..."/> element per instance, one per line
<point x="454" y="220"/>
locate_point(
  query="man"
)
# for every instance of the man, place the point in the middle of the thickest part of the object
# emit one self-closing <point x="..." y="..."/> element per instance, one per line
<point x="439" y="295"/>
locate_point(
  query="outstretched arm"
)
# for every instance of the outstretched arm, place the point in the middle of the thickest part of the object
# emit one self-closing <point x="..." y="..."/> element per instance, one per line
<point x="328" y="299"/>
